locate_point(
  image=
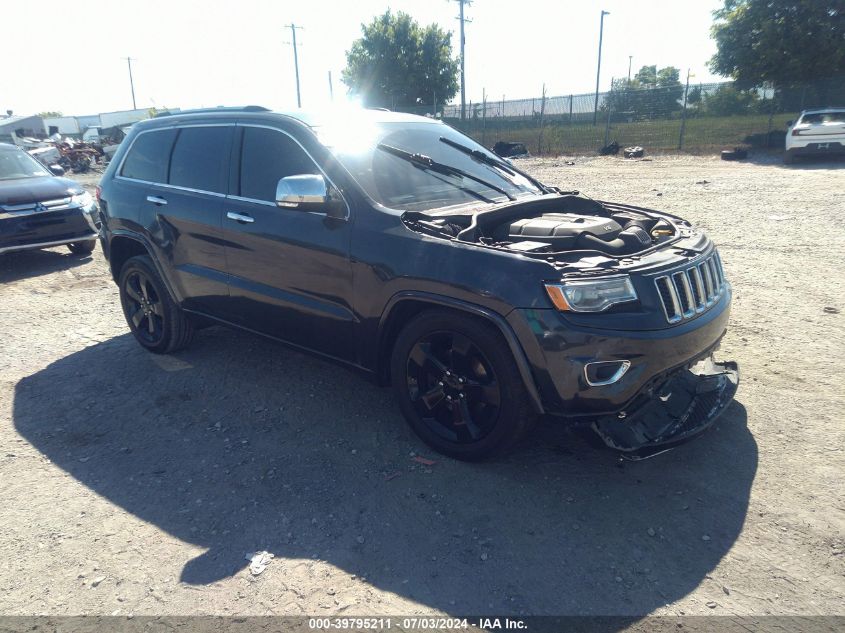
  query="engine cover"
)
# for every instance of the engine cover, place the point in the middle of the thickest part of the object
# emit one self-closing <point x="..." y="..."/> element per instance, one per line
<point x="572" y="231"/>
<point x="563" y="230"/>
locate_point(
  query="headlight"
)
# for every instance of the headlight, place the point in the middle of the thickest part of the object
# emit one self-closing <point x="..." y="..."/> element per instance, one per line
<point x="591" y="295"/>
<point x="83" y="199"/>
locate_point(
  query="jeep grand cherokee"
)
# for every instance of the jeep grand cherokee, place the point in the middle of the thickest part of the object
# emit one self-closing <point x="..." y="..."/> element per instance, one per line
<point x="398" y="246"/>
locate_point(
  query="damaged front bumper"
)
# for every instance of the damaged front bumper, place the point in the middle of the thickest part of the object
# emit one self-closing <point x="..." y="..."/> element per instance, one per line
<point x="685" y="405"/>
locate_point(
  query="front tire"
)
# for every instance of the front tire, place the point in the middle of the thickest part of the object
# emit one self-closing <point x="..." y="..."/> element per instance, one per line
<point x="82" y="248"/>
<point x="155" y="320"/>
<point x="458" y="386"/>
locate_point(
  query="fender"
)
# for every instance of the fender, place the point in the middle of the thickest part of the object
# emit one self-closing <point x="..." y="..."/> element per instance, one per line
<point x="485" y="313"/>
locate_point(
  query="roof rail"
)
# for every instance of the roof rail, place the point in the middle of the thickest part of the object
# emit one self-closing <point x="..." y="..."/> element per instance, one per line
<point x="249" y="108"/>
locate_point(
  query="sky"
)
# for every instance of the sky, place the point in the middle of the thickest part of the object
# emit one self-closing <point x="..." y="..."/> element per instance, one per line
<point x="190" y="53"/>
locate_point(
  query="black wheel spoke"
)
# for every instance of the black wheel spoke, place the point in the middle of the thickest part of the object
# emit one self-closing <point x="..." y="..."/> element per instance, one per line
<point x="151" y="328"/>
<point x="424" y="357"/>
<point x="138" y="317"/>
<point x="487" y="393"/>
<point x="143" y="283"/>
<point x="157" y="308"/>
<point x="461" y="352"/>
<point x="433" y="397"/>
<point x="136" y="296"/>
<point x="463" y="417"/>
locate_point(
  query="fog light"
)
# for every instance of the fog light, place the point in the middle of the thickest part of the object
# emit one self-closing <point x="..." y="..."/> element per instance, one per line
<point x="606" y="372"/>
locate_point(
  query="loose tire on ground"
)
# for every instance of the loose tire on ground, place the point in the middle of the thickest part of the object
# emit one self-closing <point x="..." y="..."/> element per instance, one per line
<point x="155" y="320"/>
<point x="735" y="154"/>
<point x="440" y="355"/>
<point x="82" y="248"/>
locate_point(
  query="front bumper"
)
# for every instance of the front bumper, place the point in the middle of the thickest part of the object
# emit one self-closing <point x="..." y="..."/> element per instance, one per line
<point x="671" y="389"/>
<point x="558" y="351"/>
<point x="45" y="229"/>
<point x="685" y="406"/>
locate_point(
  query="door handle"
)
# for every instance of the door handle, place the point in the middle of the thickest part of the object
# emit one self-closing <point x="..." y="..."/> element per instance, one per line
<point x="157" y="200"/>
<point x="240" y="217"/>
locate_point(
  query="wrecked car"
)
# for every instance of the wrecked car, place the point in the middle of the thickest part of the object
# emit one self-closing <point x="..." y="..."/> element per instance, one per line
<point x="40" y="209"/>
<point x="397" y="246"/>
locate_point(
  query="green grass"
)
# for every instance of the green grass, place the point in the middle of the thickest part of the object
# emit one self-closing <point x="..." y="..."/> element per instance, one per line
<point x="705" y="134"/>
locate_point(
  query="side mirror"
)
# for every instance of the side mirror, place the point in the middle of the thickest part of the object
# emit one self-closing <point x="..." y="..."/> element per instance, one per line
<point x="302" y="191"/>
<point x="57" y="170"/>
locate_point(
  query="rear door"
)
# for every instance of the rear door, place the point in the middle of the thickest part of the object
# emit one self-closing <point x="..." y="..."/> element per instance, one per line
<point x="289" y="270"/>
<point x="182" y="206"/>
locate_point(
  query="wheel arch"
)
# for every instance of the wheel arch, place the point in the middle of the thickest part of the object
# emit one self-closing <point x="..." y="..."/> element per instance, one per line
<point x="404" y="306"/>
<point x="125" y="245"/>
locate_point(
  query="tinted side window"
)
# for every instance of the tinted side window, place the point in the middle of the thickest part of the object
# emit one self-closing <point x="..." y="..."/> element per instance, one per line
<point x="149" y="155"/>
<point x="268" y="156"/>
<point x="200" y="158"/>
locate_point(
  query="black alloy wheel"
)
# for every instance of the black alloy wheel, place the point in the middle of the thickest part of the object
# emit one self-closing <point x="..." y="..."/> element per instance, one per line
<point x="157" y="323"/>
<point x="145" y="308"/>
<point x="458" y="386"/>
<point x="453" y="387"/>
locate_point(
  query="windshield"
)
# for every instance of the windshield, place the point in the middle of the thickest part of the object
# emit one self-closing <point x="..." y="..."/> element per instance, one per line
<point x="16" y="163"/>
<point x="397" y="182"/>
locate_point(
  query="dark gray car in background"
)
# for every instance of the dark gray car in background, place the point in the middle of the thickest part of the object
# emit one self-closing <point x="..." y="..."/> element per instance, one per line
<point x="39" y="209"/>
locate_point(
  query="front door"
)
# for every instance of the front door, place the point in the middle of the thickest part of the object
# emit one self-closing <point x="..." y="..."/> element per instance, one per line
<point x="289" y="270"/>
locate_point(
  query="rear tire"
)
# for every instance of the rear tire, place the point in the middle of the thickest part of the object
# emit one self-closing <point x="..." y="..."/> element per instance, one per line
<point x="82" y="248"/>
<point x="155" y="320"/>
<point x="458" y="386"/>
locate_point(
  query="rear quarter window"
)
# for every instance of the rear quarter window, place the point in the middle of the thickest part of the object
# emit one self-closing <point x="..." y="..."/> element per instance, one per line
<point x="200" y="158"/>
<point x="149" y="155"/>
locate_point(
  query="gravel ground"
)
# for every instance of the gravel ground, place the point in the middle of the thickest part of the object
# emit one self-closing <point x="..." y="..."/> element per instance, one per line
<point x="135" y="484"/>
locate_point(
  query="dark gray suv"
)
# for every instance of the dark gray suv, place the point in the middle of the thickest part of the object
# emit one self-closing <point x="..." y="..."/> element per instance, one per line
<point x="397" y="246"/>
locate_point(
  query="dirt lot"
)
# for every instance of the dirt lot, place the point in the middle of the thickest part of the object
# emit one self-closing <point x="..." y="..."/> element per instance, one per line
<point x="135" y="484"/>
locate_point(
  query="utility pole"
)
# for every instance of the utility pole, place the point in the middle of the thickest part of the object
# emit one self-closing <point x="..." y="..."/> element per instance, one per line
<point x="684" y="114"/>
<point x="131" y="82"/>
<point x="293" y="28"/>
<point x="331" y="87"/>
<point x="598" y="70"/>
<point x="463" y="20"/>
<point x="630" y="57"/>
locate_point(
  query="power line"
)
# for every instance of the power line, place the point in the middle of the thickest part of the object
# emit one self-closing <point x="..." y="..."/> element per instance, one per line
<point x="293" y="28"/>
<point x="463" y="21"/>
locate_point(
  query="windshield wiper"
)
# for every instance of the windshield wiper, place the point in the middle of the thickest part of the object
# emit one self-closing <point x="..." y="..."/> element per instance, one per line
<point x="427" y="162"/>
<point x="481" y="157"/>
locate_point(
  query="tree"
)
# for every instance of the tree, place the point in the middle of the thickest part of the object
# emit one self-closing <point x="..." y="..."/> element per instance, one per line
<point x="779" y="41"/>
<point x="50" y="114"/>
<point x="728" y="99"/>
<point x="397" y="63"/>
<point x="650" y="94"/>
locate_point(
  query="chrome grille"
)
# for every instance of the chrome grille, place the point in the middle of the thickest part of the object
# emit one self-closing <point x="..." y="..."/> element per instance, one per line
<point x="685" y="293"/>
<point x="30" y="208"/>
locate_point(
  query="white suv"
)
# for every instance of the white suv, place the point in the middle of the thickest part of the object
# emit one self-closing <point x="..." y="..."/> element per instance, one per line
<point x="816" y="132"/>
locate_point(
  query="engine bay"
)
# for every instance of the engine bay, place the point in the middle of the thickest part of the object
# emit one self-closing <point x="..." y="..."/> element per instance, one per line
<point x="553" y="225"/>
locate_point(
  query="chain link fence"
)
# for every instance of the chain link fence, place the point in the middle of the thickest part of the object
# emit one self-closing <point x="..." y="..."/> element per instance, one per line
<point x="695" y="118"/>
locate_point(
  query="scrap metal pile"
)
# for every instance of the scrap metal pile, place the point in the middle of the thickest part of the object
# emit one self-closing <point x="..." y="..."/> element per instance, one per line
<point x="73" y="154"/>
